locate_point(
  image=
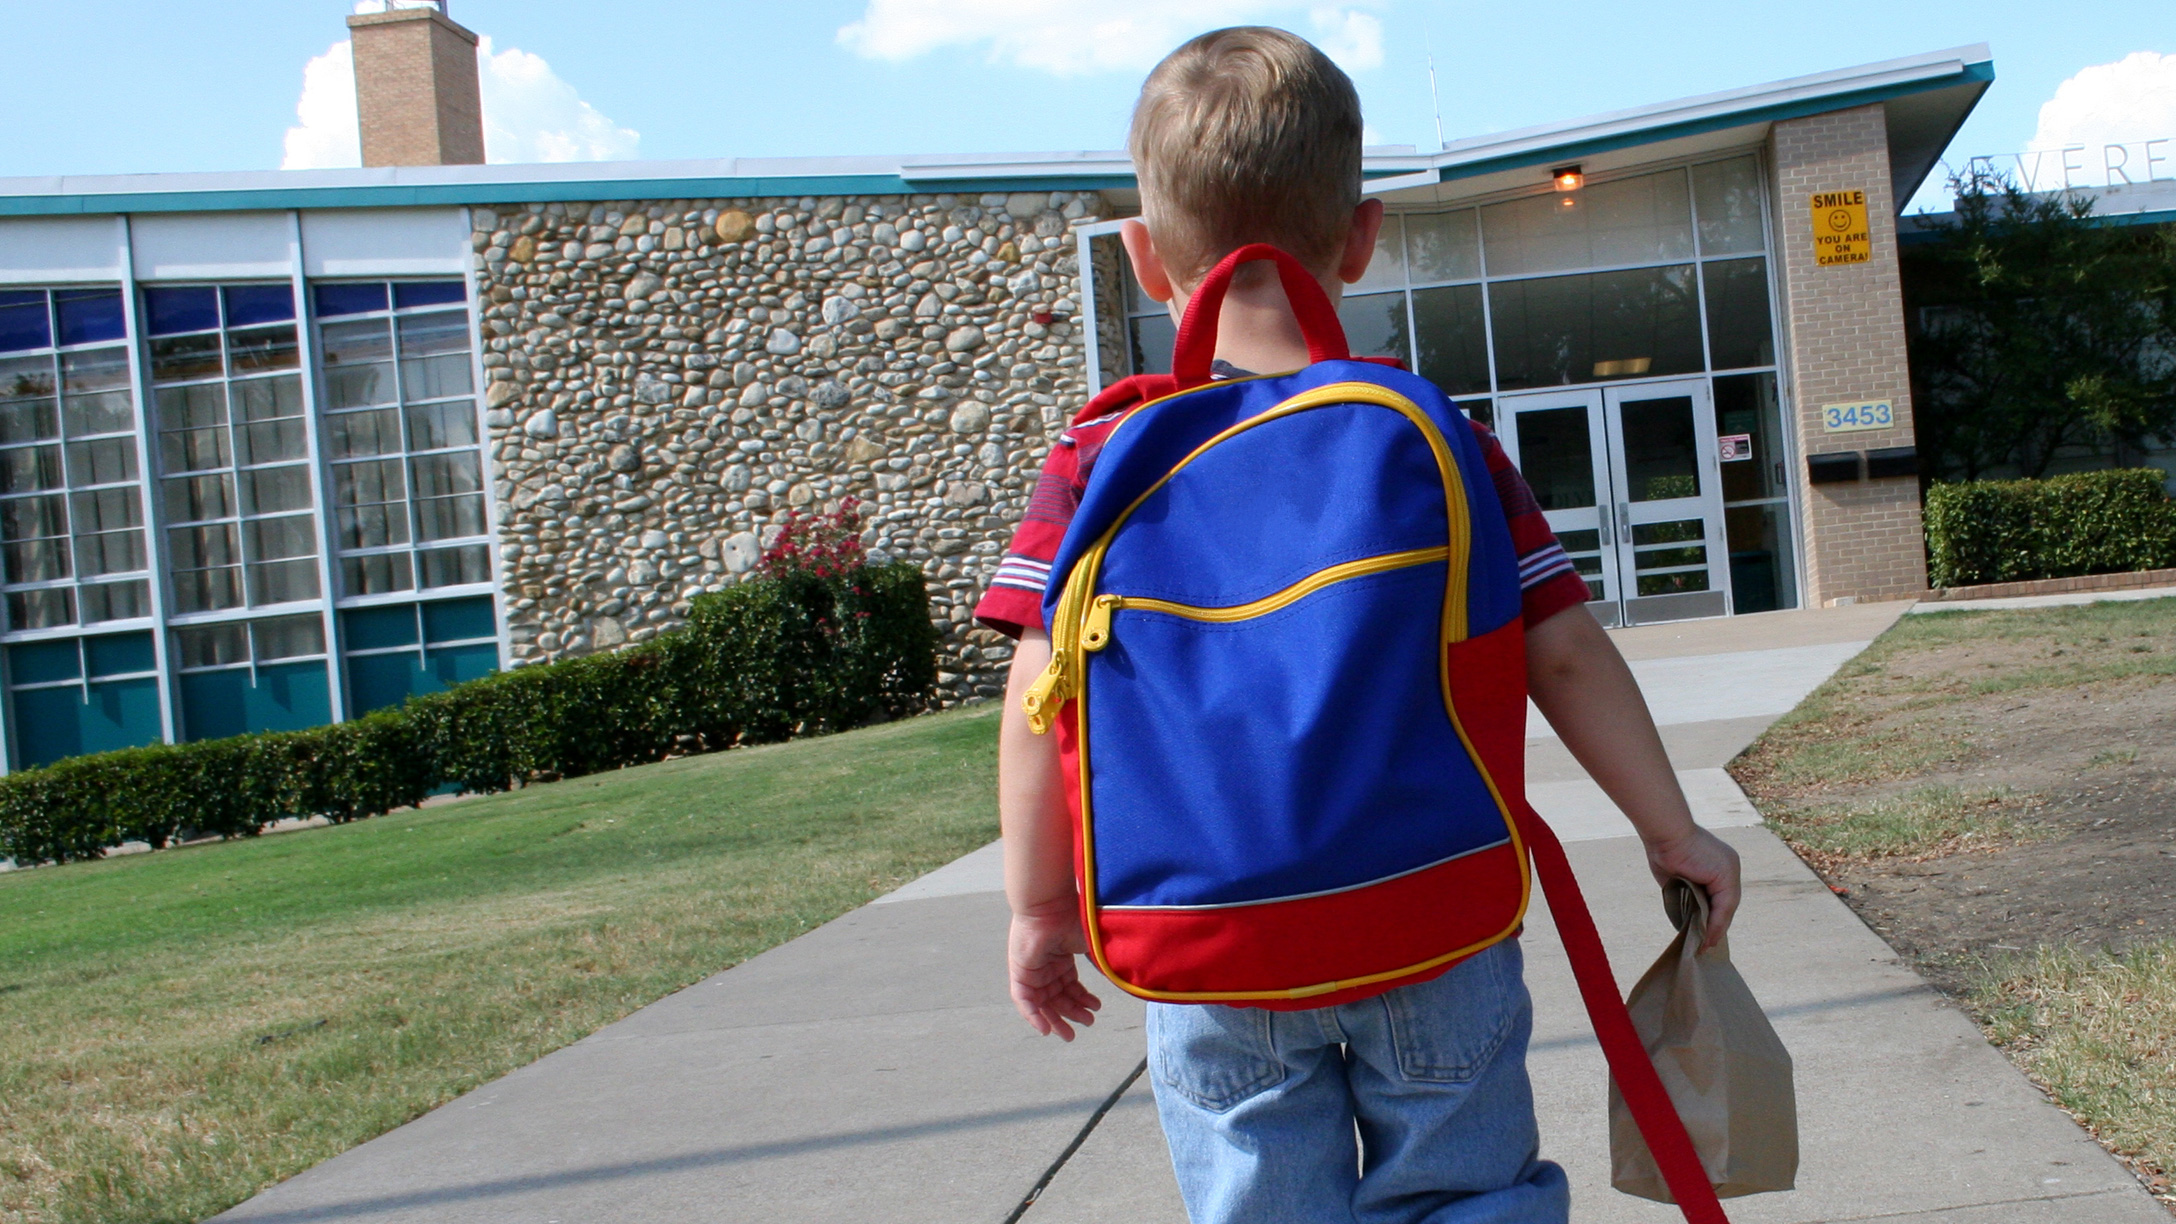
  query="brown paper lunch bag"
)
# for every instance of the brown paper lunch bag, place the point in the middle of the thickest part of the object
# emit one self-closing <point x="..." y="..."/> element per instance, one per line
<point x="1725" y="1069"/>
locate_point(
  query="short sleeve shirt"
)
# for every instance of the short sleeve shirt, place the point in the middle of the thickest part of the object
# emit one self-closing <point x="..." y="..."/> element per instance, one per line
<point x="1548" y="583"/>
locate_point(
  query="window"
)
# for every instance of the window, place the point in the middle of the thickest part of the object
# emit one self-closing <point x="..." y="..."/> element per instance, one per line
<point x="401" y="436"/>
<point x="1641" y="220"/>
<point x="1595" y="327"/>
<point x="1739" y="333"/>
<point x="1728" y="198"/>
<point x="1375" y="325"/>
<point x="78" y="695"/>
<point x="257" y="675"/>
<point x="1756" y="494"/>
<point x="1442" y="247"/>
<point x="71" y="497"/>
<point x="232" y="445"/>
<point x="1149" y="329"/>
<point x="398" y="651"/>
<point x="1453" y="338"/>
<point x="1645" y="276"/>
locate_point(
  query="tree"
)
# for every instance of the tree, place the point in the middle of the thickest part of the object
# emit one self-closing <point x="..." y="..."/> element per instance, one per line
<point x="2035" y="326"/>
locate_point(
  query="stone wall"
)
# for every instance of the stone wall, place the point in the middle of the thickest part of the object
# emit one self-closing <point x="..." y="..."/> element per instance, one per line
<point x="666" y="380"/>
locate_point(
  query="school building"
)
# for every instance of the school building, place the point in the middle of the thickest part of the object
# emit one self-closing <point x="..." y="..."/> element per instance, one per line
<point x="278" y="448"/>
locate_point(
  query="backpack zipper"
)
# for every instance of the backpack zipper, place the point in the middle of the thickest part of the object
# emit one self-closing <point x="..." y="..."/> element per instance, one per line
<point x="1096" y="633"/>
<point x="1060" y="681"/>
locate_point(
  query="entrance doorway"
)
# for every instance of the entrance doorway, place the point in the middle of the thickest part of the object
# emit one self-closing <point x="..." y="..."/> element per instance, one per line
<point x="1629" y="480"/>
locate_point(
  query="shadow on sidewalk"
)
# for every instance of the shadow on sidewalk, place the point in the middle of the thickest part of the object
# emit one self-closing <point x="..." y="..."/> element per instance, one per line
<point x="687" y="1162"/>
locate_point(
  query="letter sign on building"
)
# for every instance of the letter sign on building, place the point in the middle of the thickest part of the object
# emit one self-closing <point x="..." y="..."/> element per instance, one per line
<point x="1839" y="228"/>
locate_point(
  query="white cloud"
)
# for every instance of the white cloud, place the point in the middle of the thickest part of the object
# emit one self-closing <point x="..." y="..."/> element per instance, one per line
<point x="1353" y="39"/>
<point x="530" y="114"/>
<point x="1074" y="37"/>
<point x="326" y="135"/>
<point x="2131" y="100"/>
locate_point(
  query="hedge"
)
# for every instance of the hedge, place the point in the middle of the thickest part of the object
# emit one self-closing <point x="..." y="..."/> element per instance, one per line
<point x="771" y="658"/>
<point x="2109" y="522"/>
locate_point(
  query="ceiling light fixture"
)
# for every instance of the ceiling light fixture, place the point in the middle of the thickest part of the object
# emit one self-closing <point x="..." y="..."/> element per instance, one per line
<point x="1568" y="178"/>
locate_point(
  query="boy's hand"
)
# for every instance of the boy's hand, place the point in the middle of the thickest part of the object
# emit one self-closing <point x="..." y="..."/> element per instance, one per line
<point x="1046" y="984"/>
<point x="1706" y="860"/>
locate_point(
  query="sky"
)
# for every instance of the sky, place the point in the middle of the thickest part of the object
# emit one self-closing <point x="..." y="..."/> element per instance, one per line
<point x="129" y="86"/>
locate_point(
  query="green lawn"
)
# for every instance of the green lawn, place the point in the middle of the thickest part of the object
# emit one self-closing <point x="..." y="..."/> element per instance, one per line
<point x="180" y="1029"/>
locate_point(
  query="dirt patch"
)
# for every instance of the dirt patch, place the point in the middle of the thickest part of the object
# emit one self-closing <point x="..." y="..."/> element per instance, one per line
<point x="2065" y="713"/>
<point x="2105" y="879"/>
<point x="1994" y="788"/>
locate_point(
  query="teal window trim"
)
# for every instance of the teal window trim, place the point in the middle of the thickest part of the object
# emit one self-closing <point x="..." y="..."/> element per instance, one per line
<point x="262" y="695"/>
<point x="121" y="689"/>
<point x="379" y="677"/>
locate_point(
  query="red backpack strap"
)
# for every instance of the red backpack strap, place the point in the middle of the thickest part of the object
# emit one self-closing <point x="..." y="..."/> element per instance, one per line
<point x="1195" y="349"/>
<point x="1128" y="392"/>
<point x="1643" y="1092"/>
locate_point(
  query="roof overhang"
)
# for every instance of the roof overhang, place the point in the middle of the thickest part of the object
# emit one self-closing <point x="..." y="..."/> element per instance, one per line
<point x="1926" y="98"/>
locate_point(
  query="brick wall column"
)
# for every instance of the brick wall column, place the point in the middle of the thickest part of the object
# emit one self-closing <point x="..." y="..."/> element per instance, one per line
<point x="416" y="89"/>
<point x="1844" y="329"/>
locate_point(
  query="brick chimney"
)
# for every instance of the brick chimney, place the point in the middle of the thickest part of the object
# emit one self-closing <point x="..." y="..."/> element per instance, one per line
<point x="415" y="86"/>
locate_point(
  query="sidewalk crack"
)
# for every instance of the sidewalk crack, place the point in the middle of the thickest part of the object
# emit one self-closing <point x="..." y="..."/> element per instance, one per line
<point x="1043" y="1183"/>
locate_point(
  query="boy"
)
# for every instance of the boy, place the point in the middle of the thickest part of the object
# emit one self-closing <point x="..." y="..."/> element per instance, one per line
<point x="1252" y="135"/>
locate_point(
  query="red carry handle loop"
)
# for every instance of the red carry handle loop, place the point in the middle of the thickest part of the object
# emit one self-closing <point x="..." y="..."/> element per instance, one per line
<point x="1636" y="1079"/>
<point x="1195" y="349"/>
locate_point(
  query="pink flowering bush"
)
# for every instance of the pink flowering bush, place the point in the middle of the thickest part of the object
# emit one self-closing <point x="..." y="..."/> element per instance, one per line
<point x="820" y="545"/>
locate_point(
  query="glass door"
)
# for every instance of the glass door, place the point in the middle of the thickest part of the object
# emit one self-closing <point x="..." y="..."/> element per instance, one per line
<point x="1627" y="478"/>
<point x="1558" y="441"/>
<point x="1669" y="502"/>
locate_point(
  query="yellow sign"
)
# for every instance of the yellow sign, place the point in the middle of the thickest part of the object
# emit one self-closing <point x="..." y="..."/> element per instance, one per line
<point x="1839" y="228"/>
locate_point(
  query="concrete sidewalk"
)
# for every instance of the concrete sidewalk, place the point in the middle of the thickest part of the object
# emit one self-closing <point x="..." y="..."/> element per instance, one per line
<point x="873" y="1069"/>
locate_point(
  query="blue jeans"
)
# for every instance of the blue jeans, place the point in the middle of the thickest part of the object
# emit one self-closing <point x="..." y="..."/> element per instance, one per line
<point x="1412" y="1107"/>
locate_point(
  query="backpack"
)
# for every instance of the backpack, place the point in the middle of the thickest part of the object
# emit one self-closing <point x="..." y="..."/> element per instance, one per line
<point x="1288" y="647"/>
<point x="1288" y="681"/>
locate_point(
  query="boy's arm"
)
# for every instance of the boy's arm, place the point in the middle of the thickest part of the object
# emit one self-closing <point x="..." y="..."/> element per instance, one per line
<point x="1032" y="814"/>
<point x="1581" y="684"/>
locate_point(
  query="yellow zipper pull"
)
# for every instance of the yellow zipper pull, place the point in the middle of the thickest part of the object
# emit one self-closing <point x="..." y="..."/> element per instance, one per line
<point x="1050" y="690"/>
<point x="1097" y="634"/>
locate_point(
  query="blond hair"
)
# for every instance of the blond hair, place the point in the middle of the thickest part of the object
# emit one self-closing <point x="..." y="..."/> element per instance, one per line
<point x="1247" y="134"/>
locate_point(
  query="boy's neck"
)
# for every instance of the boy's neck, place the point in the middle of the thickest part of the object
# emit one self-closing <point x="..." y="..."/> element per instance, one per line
<point x="1256" y="330"/>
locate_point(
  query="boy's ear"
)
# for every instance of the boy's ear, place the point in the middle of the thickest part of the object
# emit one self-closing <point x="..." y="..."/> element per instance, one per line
<point x="1367" y="222"/>
<point x="1148" y="266"/>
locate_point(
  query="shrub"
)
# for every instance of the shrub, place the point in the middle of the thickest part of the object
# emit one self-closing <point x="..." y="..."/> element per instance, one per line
<point x="2015" y="530"/>
<point x="809" y="650"/>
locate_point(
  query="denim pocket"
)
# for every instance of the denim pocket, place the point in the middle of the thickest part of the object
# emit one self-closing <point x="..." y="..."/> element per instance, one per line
<point x="1446" y="1030"/>
<point x="1214" y="1056"/>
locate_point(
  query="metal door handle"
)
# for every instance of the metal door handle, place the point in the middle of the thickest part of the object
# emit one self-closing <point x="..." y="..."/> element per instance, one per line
<point x="1601" y="519"/>
<point x="1624" y="521"/>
